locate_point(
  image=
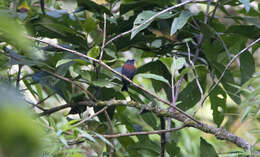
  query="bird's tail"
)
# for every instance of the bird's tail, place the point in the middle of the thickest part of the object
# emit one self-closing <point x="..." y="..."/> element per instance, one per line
<point x="124" y="88"/>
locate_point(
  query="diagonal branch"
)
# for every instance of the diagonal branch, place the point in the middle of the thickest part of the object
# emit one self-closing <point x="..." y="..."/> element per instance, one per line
<point x="114" y="71"/>
<point x="196" y="77"/>
<point x="227" y="67"/>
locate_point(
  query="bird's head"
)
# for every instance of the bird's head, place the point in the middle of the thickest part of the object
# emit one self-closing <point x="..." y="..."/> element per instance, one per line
<point x="130" y="61"/>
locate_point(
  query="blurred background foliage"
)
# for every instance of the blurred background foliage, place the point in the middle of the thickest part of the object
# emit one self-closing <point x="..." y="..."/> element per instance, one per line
<point x="161" y="54"/>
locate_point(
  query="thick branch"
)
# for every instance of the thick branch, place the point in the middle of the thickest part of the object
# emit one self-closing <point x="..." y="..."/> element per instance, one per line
<point x="219" y="133"/>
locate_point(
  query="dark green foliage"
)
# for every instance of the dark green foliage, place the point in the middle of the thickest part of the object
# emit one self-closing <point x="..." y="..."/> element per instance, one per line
<point x="207" y="149"/>
<point x="55" y="75"/>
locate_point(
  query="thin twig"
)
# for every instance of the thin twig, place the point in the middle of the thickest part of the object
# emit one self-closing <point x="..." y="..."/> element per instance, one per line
<point x="195" y="72"/>
<point x="34" y="105"/>
<point x="214" y="10"/>
<point x="175" y="95"/>
<point x="116" y="72"/>
<point x="144" y="133"/>
<point x="90" y="117"/>
<point x="201" y="35"/>
<point x="112" y="150"/>
<point x="41" y="101"/>
<point x="104" y="37"/>
<point x="61" y="107"/>
<point x="18" y="76"/>
<point x="207" y="12"/>
<point x="70" y="81"/>
<point x="133" y="134"/>
<point x="196" y="77"/>
<point x="224" y="45"/>
<point x="227" y="66"/>
<point x="54" y="109"/>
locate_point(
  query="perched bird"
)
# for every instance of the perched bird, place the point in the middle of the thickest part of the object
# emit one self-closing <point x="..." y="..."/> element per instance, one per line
<point x="129" y="71"/>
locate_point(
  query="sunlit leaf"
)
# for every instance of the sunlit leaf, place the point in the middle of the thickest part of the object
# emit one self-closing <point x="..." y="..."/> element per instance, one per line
<point x="218" y="104"/>
<point x="177" y="64"/>
<point x="94" y="52"/>
<point x="144" y="16"/>
<point x="180" y="21"/>
<point x="153" y="76"/>
<point x="63" y="61"/>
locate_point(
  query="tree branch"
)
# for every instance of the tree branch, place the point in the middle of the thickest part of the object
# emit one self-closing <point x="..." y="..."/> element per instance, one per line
<point x="114" y="71"/>
<point x="134" y="134"/>
<point x="219" y="133"/>
<point x="201" y="35"/>
<point x="227" y="67"/>
<point x="145" y="132"/>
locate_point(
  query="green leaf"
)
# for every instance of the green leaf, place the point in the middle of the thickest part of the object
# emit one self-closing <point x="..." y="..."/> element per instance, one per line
<point x="145" y="144"/>
<point x="177" y="64"/>
<point x="101" y="82"/>
<point x="127" y="143"/>
<point x="90" y="24"/>
<point x="172" y="148"/>
<point x="180" y="21"/>
<point x="86" y="135"/>
<point x="145" y="15"/>
<point x="140" y="19"/>
<point x="63" y="61"/>
<point x="201" y="69"/>
<point x="158" y="68"/>
<point x="173" y="64"/>
<point x="104" y="139"/>
<point x="14" y="33"/>
<point x="218" y="102"/>
<point x="253" y="20"/>
<point x="245" y="30"/>
<point x="63" y="140"/>
<point x="167" y="62"/>
<point x="190" y="95"/>
<point x="226" y="81"/>
<point x="154" y="76"/>
<point x="246" y="112"/>
<point x="110" y="52"/>
<point x="59" y="26"/>
<point x="247" y="66"/>
<point x="150" y="119"/>
<point x="92" y="6"/>
<point x="207" y="149"/>
<point x="246" y="4"/>
<point x="94" y="51"/>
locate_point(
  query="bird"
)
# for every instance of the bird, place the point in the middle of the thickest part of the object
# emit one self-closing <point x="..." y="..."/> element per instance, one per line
<point x="128" y="70"/>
